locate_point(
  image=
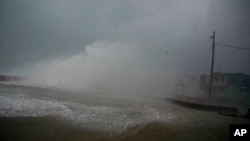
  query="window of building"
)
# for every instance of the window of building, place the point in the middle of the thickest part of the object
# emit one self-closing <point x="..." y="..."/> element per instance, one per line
<point x="215" y="88"/>
<point x="216" y="79"/>
<point x="222" y="89"/>
<point x="222" y="78"/>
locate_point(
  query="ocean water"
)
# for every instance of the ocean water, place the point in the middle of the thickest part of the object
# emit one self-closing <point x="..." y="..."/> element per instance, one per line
<point x="99" y="113"/>
<point x="104" y="113"/>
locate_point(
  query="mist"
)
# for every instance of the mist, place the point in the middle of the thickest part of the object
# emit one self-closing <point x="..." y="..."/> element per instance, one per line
<point x="128" y="47"/>
<point x="119" y="67"/>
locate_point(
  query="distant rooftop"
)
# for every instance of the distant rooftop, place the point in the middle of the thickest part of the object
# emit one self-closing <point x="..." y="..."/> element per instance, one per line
<point x="231" y="74"/>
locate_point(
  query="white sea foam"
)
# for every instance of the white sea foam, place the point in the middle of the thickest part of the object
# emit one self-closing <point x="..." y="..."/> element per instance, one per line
<point x="96" y="117"/>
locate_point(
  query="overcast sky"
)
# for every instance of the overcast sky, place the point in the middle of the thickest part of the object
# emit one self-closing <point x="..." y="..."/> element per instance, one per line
<point x="159" y="34"/>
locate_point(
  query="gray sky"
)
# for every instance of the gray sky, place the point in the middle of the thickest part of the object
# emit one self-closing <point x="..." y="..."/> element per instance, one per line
<point x="35" y="31"/>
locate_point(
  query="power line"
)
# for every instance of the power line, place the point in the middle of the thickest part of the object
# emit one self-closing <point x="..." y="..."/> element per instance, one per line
<point x="236" y="47"/>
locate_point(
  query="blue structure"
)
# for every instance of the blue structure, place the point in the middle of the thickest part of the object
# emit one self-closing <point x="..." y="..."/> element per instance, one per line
<point x="238" y="88"/>
<point x="235" y="87"/>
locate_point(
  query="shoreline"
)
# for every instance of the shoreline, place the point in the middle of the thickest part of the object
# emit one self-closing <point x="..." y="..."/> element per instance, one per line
<point x="52" y="128"/>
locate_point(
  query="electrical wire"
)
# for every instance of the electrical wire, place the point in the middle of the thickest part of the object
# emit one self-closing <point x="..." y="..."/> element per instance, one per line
<point x="230" y="46"/>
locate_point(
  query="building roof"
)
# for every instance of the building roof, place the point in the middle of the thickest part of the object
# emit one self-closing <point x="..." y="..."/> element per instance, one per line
<point x="232" y="74"/>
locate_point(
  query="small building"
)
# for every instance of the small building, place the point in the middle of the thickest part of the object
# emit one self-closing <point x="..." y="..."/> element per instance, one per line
<point x="233" y="86"/>
<point x="219" y="84"/>
<point x="186" y="85"/>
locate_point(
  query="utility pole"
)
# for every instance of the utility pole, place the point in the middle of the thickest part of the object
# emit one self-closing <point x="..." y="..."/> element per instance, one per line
<point x="212" y="66"/>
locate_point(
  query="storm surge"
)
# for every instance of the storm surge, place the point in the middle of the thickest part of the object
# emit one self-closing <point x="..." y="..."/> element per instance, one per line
<point x="120" y="67"/>
<point x="116" y="116"/>
<point x="107" y="116"/>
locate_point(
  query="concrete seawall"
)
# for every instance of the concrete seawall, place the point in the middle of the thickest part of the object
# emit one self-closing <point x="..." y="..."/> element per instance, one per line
<point x="220" y="105"/>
